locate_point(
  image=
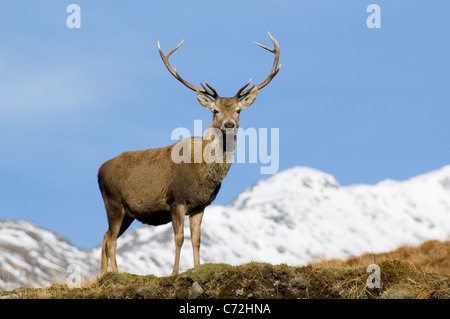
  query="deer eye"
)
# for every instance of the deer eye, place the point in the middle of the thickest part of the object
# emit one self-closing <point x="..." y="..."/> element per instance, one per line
<point x="238" y="111"/>
<point x="215" y="111"/>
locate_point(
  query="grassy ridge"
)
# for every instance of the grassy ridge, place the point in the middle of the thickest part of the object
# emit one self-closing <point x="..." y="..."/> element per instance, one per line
<point x="408" y="272"/>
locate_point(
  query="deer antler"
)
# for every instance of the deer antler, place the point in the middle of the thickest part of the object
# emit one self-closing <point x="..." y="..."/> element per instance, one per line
<point x="241" y="93"/>
<point x="174" y="72"/>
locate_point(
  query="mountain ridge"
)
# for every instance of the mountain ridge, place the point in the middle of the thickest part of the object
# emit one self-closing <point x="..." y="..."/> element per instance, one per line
<point x="297" y="216"/>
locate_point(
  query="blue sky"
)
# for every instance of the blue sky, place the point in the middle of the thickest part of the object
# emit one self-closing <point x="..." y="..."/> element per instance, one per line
<point x="361" y="104"/>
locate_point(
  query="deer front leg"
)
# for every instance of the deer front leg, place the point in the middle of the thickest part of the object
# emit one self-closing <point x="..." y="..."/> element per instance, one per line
<point x="195" y="222"/>
<point x="178" y="212"/>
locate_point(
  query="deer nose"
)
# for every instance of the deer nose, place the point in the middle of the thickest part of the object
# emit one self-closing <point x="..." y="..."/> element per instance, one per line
<point x="229" y="125"/>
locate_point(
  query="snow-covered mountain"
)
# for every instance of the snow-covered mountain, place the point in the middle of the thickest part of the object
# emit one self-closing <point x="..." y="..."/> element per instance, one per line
<point x="31" y="256"/>
<point x="297" y="216"/>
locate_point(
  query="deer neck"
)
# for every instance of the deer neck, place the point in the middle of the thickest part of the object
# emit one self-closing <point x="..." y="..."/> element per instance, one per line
<point x="218" y="153"/>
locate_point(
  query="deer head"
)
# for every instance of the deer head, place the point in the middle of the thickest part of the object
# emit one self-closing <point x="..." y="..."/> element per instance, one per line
<point x="226" y="109"/>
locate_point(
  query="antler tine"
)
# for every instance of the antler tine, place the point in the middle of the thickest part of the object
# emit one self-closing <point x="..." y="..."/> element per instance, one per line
<point x="238" y="94"/>
<point x="214" y="94"/>
<point x="174" y="72"/>
<point x="264" y="47"/>
<point x="212" y="89"/>
<point x="274" y="70"/>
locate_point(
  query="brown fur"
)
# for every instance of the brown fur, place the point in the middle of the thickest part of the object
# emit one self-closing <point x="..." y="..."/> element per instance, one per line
<point x="146" y="189"/>
<point x="148" y="186"/>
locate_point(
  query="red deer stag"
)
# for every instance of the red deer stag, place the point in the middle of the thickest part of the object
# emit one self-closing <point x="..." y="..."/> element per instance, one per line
<point x="149" y="186"/>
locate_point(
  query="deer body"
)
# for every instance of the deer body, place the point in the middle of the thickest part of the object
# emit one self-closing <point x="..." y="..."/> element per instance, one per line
<point x="146" y="189"/>
<point x="149" y="186"/>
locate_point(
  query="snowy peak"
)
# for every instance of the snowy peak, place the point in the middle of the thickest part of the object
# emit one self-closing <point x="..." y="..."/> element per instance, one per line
<point x="294" y="182"/>
<point x="439" y="179"/>
<point x="310" y="214"/>
<point x="305" y="182"/>
<point x="32" y="256"/>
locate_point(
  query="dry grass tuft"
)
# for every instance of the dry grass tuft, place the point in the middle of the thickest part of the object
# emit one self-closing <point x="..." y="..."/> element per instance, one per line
<point x="431" y="257"/>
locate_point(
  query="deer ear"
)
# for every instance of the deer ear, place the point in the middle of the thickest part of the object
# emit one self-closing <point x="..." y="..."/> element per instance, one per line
<point x="248" y="100"/>
<point x="205" y="101"/>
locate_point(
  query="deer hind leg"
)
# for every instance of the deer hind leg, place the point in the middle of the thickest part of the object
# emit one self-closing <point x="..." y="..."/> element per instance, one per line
<point x="118" y="222"/>
<point x="195" y="222"/>
<point x="177" y="213"/>
<point x="105" y="254"/>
